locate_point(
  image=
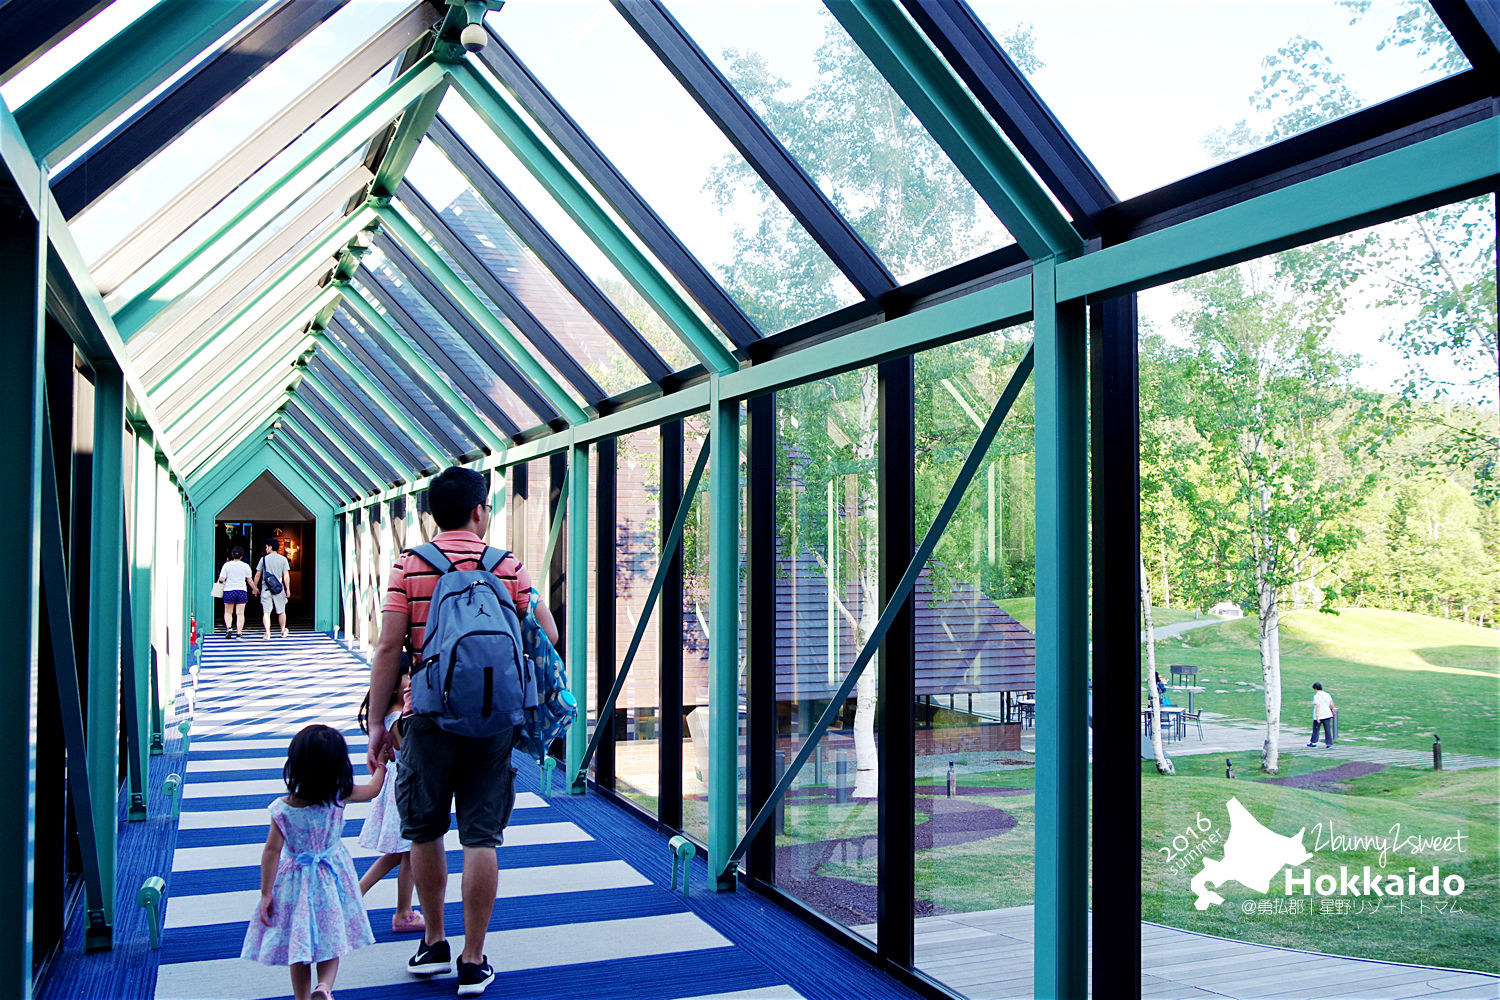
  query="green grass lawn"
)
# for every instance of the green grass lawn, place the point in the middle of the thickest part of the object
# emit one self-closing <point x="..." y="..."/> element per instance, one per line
<point x="1023" y="610"/>
<point x="1426" y="803"/>
<point x="1396" y="677"/>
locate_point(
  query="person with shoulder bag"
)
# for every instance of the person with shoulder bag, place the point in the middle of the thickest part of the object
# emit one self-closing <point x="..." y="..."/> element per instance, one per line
<point x="271" y="578"/>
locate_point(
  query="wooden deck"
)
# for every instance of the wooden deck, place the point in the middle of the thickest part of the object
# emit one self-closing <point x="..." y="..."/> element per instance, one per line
<point x="987" y="956"/>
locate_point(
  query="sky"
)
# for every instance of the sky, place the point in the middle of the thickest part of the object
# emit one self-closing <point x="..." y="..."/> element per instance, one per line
<point x="1138" y="85"/>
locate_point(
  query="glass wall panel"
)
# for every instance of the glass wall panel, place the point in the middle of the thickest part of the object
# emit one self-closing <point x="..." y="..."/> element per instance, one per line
<point x="704" y="191"/>
<point x="696" y="622"/>
<point x="827" y="603"/>
<point x="638" y="556"/>
<point x="1319" y="532"/>
<point x="975" y="738"/>
<point x="1174" y="105"/>
<point x="835" y="113"/>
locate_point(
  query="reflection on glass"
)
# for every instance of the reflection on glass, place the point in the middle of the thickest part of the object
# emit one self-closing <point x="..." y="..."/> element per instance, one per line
<point x="1175" y="105"/>
<point x="827" y="603"/>
<point x="638" y="555"/>
<point x="695" y="631"/>
<point x="513" y="264"/>
<point x="825" y="101"/>
<point x="975" y="677"/>
<point x="704" y="191"/>
<point x="576" y="243"/>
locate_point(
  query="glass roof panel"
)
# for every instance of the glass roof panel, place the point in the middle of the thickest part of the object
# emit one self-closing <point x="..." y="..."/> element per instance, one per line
<point x="72" y="49"/>
<point x="162" y="178"/>
<point x="835" y="113"/>
<point x="1189" y="89"/>
<point x="569" y="235"/>
<point x="368" y="345"/>
<point x="389" y="284"/>
<point x="488" y="304"/>
<point x="512" y="262"/>
<point x="599" y="69"/>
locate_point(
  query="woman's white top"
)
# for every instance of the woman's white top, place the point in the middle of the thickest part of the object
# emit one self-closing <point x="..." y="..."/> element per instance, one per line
<point x="236" y="574"/>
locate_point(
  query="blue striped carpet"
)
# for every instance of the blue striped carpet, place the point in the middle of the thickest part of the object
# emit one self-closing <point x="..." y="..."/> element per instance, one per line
<point x="583" y="910"/>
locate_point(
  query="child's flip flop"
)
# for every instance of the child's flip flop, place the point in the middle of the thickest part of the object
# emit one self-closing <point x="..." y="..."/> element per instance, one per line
<point x="410" y="925"/>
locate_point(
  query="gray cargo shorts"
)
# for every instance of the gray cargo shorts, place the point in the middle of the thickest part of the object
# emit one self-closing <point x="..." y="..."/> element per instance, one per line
<point x="438" y="768"/>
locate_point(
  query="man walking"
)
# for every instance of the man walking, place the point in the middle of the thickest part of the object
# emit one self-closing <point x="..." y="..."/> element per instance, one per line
<point x="273" y="597"/>
<point x="1323" y="715"/>
<point x="438" y="766"/>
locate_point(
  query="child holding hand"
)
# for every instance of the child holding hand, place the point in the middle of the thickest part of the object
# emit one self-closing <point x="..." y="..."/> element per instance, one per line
<point x="382" y="829"/>
<point x="310" y="910"/>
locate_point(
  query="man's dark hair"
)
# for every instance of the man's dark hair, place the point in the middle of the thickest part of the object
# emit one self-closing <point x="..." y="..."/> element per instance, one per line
<point x="1317" y="686"/>
<point x="453" y="495"/>
<point x="274" y="544"/>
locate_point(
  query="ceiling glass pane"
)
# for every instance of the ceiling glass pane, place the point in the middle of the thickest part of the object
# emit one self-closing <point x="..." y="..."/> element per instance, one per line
<point x="390" y="284"/>
<point x="488" y="304"/>
<point x="568" y="234"/>
<point x="71" y="49"/>
<point x="834" y="112"/>
<point x="271" y="221"/>
<point x="158" y="181"/>
<point x="369" y="346"/>
<point x="599" y="69"/>
<point x="512" y="262"/>
<point x="1198" y="83"/>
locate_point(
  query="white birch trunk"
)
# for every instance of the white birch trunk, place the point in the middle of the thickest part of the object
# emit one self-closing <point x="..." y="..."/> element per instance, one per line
<point x="1163" y="764"/>
<point x="866" y="759"/>
<point x="1270" y="638"/>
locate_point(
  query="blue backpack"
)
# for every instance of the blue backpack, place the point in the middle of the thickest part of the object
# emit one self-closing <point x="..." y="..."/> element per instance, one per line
<point x="556" y="707"/>
<point x="472" y="677"/>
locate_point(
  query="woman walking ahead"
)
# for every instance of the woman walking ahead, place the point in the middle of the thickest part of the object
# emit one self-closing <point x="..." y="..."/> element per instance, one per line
<point x="310" y="909"/>
<point x="236" y="576"/>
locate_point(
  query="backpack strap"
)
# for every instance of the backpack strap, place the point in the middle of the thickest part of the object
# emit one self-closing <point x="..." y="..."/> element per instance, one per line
<point x="492" y="558"/>
<point x="432" y="556"/>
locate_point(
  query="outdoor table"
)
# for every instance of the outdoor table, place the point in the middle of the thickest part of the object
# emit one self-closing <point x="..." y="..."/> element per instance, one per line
<point x="1171" y="722"/>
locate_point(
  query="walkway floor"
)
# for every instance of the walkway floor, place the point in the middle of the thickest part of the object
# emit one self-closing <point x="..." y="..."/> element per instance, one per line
<point x="987" y="956"/>
<point x="575" y="918"/>
<point x="1224" y="736"/>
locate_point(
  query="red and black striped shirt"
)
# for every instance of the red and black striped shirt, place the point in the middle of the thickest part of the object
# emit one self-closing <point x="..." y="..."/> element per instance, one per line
<point x="413" y="581"/>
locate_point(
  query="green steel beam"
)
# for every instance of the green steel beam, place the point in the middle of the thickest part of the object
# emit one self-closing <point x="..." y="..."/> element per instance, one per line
<point x="274" y="194"/>
<point x="106" y="556"/>
<point x="331" y="496"/>
<point x="266" y="297"/>
<point x="23" y="246"/>
<point x="357" y="424"/>
<point x="724" y="637"/>
<point x="577" y="638"/>
<point x="951" y="116"/>
<point x="213" y="474"/>
<point x="580" y="204"/>
<point x="1365" y="193"/>
<point x="69" y="112"/>
<point x="142" y="586"/>
<point x="1061" y="957"/>
<point x="377" y="479"/>
<point x="409" y="134"/>
<point x="393" y="341"/>
<point x="232" y="382"/>
<point x="519" y="354"/>
<point x="375" y="395"/>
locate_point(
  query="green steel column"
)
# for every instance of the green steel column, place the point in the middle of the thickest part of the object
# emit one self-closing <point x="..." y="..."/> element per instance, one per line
<point x="143" y="557"/>
<point x="1061" y="949"/>
<point x="724" y="633"/>
<point x="23" y="247"/>
<point x="577" y="638"/>
<point x="106" y="554"/>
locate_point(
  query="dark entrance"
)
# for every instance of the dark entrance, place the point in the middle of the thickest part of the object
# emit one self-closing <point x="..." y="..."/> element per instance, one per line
<point x="267" y="510"/>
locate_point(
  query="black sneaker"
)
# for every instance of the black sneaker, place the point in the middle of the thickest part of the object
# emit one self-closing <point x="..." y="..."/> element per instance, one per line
<point x="473" y="977"/>
<point x="430" y="959"/>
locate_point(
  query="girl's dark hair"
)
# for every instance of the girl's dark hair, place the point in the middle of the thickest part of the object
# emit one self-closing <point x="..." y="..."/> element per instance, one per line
<point x="236" y="553"/>
<point x="317" y="766"/>
<point x="363" y="715"/>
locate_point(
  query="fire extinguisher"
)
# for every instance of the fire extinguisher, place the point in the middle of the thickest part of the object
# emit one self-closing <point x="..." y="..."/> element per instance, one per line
<point x="192" y="630"/>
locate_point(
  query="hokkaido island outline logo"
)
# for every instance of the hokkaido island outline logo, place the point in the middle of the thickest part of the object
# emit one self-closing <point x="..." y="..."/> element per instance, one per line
<point x="1254" y="855"/>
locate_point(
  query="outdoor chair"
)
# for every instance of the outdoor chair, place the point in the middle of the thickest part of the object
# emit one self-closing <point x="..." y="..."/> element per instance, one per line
<point x="1194" y="717"/>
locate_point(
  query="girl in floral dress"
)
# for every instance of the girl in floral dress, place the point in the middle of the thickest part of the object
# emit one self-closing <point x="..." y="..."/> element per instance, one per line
<point x="310" y="909"/>
<point x="382" y="829"/>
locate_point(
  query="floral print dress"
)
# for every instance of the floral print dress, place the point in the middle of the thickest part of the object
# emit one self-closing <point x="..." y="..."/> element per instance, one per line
<point x="318" y="912"/>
